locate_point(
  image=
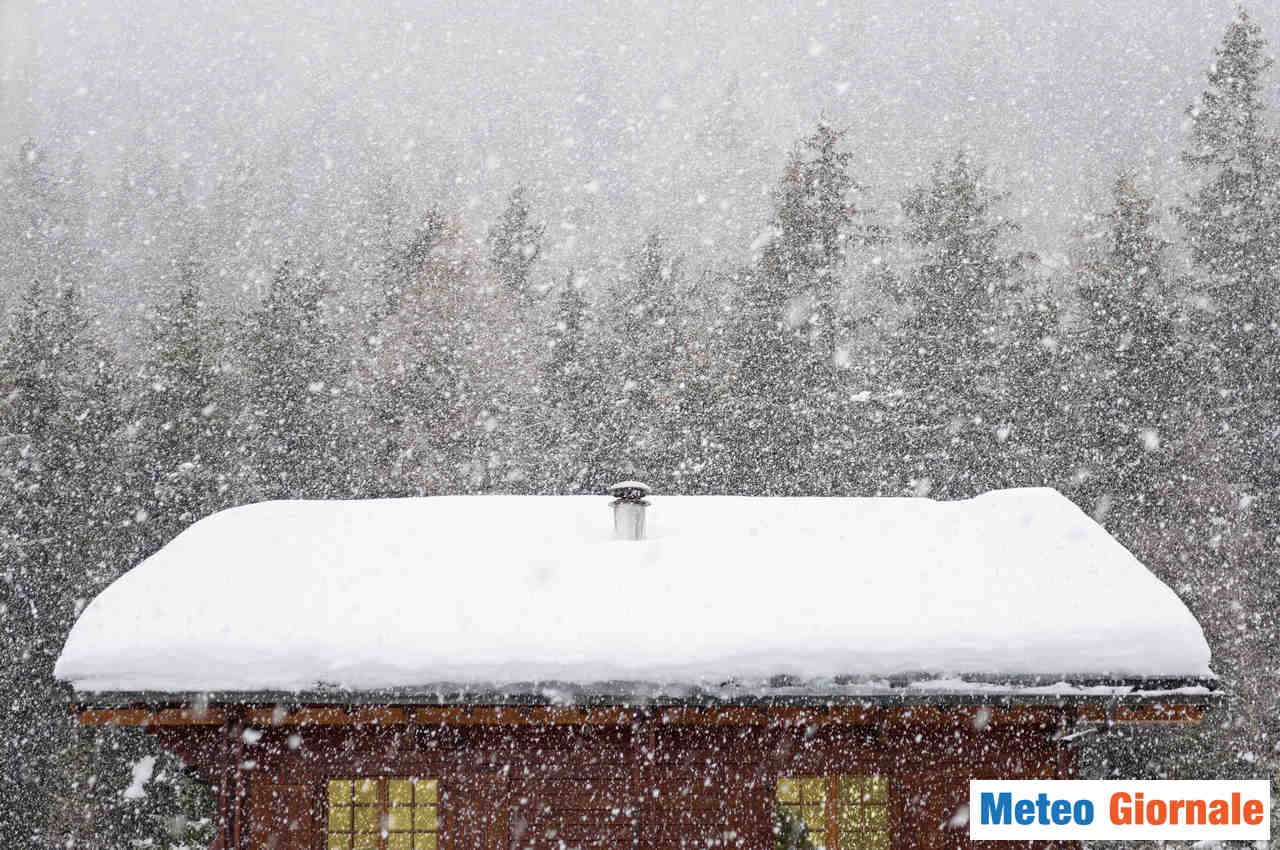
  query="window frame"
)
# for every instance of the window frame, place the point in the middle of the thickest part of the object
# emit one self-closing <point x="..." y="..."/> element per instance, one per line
<point x="382" y="809"/>
<point x="832" y="803"/>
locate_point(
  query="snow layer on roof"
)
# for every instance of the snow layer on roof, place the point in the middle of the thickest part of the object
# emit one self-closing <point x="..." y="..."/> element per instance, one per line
<point x="491" y="590"/>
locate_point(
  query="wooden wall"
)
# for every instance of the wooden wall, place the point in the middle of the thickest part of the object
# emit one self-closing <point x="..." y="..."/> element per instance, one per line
<point x="638" y="782"/>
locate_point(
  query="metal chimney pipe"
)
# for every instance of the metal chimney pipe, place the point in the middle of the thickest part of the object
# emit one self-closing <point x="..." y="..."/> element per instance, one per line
<point x="628" y="509"/>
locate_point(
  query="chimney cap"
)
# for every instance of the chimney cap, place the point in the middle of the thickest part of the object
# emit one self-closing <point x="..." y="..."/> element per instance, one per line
<point x="630" y="491"/>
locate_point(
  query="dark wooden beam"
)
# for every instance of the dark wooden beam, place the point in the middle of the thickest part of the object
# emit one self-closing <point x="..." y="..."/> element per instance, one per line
<point x="480" y="715"/>
<point x="152" y="717"/>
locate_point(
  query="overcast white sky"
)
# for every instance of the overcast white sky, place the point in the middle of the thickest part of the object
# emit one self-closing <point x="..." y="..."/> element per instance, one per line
<point x="623" y="116"/>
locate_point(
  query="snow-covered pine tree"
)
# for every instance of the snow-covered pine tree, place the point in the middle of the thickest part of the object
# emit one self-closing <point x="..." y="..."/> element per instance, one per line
<point x="372" y="409"/>
<point x="34" y="213"/>
<point x="569" y="408"/>
<point x="180" y="463"/>
<point x="640" y="356"/>
<point x="1029" y="413"/>
<point x="781" y="404"/>
<point x="1133" y="371"/>
<point x="291" y="436"/>
<point x="1232" y="479"/>
<point x="945" y="357"/>
<point x="515" y="242"/>
<point x="409" y="259"/>
<point x="817" y="223"/>
<point x="379" y="234"/>
<point x="1131" y="402"/>
<point x="435" y="373"/>
<point x="61" y="523"/>
<point x="514" y="245"/>
<point x="241" y="230"/>
<point x="697" y="381"/>
<point x="1232" y="224"/>
<point x="1230" y="216"/>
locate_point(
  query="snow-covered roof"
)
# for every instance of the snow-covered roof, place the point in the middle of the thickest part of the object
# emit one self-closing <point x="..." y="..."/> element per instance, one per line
<point x="488" y="591"/>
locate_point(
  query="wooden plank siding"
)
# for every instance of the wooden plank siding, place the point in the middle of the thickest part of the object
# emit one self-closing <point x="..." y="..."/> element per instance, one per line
<point x="616" y="778"/>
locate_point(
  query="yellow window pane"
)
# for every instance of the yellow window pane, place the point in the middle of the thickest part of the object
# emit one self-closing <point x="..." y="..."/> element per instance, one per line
<point x="426" y="790"/>
<point x="400" y="841"/>
<point x="339" y="841"/>
<point x="813" y="789"/>
<point x="426" y="818"/>
<point x="877" y="817"/>
<point x="339" y="818"/>
<point x="365" y="841"/>
<point x="851" y="789"/>
<point x="815" y="818"/>
<point x="861" y="839"/>
<point x="366" y="791"/>
<point x="876" y="789"/>
<point x="424" y="841"/>
<point x="366" y="818"/>
<point x="399" y="791"/>
<point x="400" y="819"/>
<point x="788" y="790"/>
<point x="339" y="791"/>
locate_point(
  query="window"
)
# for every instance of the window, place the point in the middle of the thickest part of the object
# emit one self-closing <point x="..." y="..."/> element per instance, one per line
<point x="383" y="814"/>
<point x="840" y="812"/>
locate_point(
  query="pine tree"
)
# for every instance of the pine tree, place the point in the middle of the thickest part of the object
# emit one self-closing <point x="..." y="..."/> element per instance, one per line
<point x="946" y="357"/>
<point x="61" y="522"/>
<point x="378" y="236"/>
<point x="58" y="514"/>
<point x="1127" y="408"/>
<point x="1133" y="397"/>
<point x="776" y="390"/>
<point x="292" y="439"/>
<point x="817" y="225"/>
<point x="180" y="417"/>
<point x="515" y="242"/>
<point x="406" y="263"/>
<point x="1231" y="217"/>
<point x="697" y="382"/>
<point x="570" y="406"/>
<point x="1232" y="223"/>
<point x="781" y="407"/>
<point x="435" y="404"/>
<point x="374" y="408"/>
<point x="32" y="211"/>
<point x="1030" y="415"/>
<point x="640" y="361"/>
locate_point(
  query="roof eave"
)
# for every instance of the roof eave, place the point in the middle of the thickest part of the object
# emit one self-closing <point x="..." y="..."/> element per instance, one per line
<point x="895" y="691"/>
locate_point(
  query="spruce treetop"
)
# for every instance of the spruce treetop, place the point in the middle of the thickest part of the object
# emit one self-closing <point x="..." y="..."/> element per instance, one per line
<point x="1227" y="124"/>
<point x="815" y="216"/>
<point x="515" y="242"/>
<point x="1135" y="248"/>
<point x="1233" y="216"/>
<point x="954" y="219"/>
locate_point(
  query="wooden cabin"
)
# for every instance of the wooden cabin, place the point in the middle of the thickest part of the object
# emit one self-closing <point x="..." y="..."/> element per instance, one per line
<point x="485" y="672"/>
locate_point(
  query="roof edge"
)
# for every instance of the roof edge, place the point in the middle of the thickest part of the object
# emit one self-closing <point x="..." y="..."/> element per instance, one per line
<point x="780" y="692"/>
